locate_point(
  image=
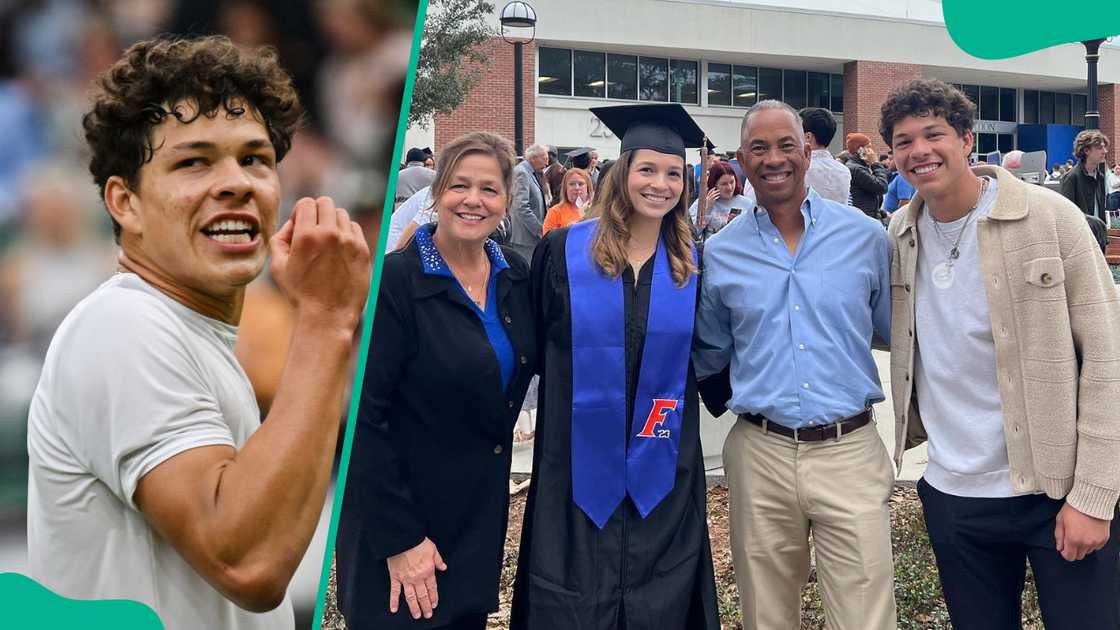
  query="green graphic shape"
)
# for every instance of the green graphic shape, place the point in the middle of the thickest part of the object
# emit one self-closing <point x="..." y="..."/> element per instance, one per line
<point x="998" y="30"/>
<point x="24" y="603"/>
<point x="371" y="306"/>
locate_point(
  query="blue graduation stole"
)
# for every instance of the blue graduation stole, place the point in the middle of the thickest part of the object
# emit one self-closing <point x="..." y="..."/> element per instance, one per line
<point x="608" y="464"/>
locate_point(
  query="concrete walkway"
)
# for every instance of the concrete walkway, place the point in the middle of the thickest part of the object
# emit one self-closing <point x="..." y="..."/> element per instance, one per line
<point x="713" y="431"/>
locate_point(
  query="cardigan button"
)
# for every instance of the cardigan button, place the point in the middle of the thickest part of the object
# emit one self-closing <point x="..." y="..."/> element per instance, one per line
<point x="908" y="288"/>
<point x="524" y="360"/>
<point x="1046" y="278"/>
<point x="498" y="449"/>
<point x="511" y="404"/>
<point x="509" y="320"/>
<point x="912" y="242"/>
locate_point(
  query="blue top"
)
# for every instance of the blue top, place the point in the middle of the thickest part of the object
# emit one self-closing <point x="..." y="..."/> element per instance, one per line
<point x="435" y="265"/>
<point x="796" y="329"/>
<point x="898" y="189"/>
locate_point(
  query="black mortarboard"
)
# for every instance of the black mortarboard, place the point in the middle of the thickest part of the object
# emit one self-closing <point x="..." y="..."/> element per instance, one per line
<point x="665" y="128"/>
<point x="428" y="150"/>
<point x="581" y="158"/>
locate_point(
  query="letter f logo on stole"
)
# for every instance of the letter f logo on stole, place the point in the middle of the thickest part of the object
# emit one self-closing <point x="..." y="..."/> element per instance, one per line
<point x="661" y="408"/>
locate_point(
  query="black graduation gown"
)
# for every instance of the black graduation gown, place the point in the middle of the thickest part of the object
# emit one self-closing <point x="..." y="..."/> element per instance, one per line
<point x="635" y="573"/>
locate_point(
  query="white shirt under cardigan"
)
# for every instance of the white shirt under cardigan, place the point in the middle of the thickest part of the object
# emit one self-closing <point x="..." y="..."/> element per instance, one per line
<point x="831" y="179"/>
<point x="131" y="379"/>
<point x="955" y="364"/>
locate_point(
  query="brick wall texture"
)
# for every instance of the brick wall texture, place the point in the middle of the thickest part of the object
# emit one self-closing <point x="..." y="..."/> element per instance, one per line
<point x="866" y="86"/>
<point x="1108" y="95"/>
<point x="489" y="106"/>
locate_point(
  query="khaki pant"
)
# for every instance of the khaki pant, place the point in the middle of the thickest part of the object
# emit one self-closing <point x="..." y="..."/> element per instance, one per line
<point x="779" y="492"/>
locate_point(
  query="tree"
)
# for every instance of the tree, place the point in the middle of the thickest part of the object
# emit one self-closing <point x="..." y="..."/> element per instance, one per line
<point x="450" y="62"/>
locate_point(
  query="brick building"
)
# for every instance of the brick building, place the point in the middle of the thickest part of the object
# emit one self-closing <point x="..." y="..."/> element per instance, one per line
<point x="719" y="57"/>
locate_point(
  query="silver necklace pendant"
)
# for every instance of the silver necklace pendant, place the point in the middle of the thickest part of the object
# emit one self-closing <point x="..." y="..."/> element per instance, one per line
<point x="944" y="275"/>
<point x="955" y="253"/>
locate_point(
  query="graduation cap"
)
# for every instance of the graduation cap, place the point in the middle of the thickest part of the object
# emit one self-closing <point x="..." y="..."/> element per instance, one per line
<point x="665" y="128"/>
<point x="581" y="158"/>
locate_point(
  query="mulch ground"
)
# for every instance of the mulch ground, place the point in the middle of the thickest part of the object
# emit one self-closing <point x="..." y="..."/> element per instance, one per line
<point x="917" y="590"/>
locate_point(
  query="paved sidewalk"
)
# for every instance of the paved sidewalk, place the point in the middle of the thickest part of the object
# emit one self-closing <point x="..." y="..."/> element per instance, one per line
<point x="713" y="431"/>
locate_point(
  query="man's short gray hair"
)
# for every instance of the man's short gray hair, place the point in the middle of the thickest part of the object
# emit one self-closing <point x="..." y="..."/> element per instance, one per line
<point x="534" y="150"/>
<point x="771" y="104"/>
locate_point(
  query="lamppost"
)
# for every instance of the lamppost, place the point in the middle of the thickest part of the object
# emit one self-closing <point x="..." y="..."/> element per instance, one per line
<point x="519" y="27"/>
<point x="1092" y="54"/>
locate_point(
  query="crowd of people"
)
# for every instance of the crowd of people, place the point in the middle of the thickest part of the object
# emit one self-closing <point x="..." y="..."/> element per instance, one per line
<point x="338" y="66"/>
<point x="762" y="291"/>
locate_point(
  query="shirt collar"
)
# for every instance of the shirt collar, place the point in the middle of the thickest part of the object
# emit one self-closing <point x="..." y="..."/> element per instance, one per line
<point x="435" y="265"/>
<point x="1012" y="200"/>
<point x="811" y="209"/>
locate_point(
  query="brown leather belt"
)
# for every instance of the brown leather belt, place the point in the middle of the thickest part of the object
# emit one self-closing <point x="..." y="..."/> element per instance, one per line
<point x="832" y="431"/>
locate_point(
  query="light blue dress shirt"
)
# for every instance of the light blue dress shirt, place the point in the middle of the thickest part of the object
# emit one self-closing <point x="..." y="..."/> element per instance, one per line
<point x="796" y="329"/>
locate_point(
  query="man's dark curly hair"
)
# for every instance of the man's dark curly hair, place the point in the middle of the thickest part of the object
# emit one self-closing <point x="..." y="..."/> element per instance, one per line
<point x="926" y="97"/>
<point x="156" y="77"/>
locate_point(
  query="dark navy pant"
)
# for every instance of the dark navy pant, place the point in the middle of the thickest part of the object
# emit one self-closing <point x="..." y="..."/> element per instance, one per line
<point x="982" y="547"/>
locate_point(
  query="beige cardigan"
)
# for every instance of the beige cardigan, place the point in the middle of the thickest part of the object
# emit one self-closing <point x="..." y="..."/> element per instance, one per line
<point x="1056" y="323"/>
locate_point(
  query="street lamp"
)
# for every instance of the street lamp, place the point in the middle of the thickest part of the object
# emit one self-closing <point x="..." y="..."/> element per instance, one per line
<point x="519" y="27"/>
<point x="1092" y="54"/>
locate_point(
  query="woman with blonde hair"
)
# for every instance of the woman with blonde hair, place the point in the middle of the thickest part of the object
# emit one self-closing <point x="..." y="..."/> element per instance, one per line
<point x="576" y="195"/>
<point x="453" y="348"/>
<point x="614" y="534"/>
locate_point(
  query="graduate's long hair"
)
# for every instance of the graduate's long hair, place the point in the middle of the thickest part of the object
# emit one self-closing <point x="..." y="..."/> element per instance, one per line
<point x="613" y="207"/>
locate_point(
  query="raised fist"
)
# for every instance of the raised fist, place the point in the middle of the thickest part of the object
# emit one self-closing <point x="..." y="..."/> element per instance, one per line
<point x="321" y="262"/>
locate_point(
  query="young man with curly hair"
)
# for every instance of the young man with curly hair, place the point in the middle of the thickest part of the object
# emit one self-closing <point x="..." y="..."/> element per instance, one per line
<point x="1005" y="355"/>
<point x="1084" y="184"/>
<point x="152" y="477"/>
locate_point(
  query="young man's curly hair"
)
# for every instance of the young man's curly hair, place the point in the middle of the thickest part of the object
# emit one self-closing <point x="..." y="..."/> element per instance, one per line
<point x="1087" y="140"/>
<point x="156" y="77"/>
<point x="926" y="97"/>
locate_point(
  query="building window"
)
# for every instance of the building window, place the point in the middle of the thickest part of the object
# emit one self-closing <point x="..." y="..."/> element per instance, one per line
<point x="622" y="77"/>
<point x="1080" y="104"/>
<point x="986" y="143"/>
<point x="719" y="84"/>
<point x="554" y="74"/>
<point x="769" y="84"/>
<point x="989" y="103"/>
<point x="973" y="94"/>
<point x="683" y="81"/>
<point x="794" y="93"/>
<point x="1007" y="111"/>
<point x="744" y="85"/>
<point x="1030" y="107"/>
<point x="1062" y="107"/>
<point x="590" y="73"/>
<point x="837" y="95"/>
<point x="653" y="79"/>
<point x="1006" y="142"/>
<point x="1046" y="108"/>
<point x="818" y="90"/>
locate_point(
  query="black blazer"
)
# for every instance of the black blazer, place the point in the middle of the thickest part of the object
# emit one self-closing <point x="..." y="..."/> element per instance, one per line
<point x="432" y="447"/>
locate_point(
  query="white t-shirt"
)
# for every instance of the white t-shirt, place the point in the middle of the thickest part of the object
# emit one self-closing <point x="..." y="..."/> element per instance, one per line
<point x="831" y="179"/>
<point x="719" y="212"/>
<point x="131" y="379"/>
<point x="955" y="364"/>
<point x="412" y="210"/>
